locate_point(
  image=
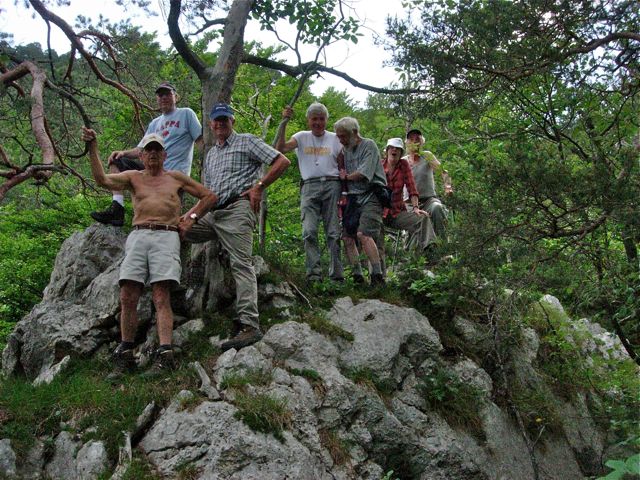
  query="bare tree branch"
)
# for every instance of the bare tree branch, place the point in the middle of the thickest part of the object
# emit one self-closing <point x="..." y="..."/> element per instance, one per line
<point x="37" y="108"/>
<point x="179" y="41"/>
<point x="47" y="15"/>
<point x="318" y="67"/>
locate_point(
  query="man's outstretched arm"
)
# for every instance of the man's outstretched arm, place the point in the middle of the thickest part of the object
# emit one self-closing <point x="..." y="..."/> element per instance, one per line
<point x="114" y="181"/>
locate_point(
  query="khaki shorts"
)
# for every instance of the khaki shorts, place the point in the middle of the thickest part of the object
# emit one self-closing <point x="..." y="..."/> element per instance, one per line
<point x="151" y="256"/>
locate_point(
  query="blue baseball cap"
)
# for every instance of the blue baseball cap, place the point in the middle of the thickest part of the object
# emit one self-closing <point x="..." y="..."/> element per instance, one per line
<point x="221" y="110"/>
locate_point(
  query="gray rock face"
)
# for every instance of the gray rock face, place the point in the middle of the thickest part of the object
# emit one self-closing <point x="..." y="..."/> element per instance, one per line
<point x="7" y="459"/>
<point x="355" y="409"/>
<point x="372" y="433"/>
<point x="80" y="308"/>
<point x="51" y="331"/>
<point x="62" y="465"/>
<point x="32" y="467"/>
<point x="408" y="337"/>
<point x="91" y="460"/>
<point x="47" y="376"/>
<point x="82" y="258"/>
<point x="73" y="461"/>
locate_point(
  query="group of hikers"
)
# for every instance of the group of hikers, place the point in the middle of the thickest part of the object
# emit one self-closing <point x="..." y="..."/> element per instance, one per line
<point x="344" y="183"/>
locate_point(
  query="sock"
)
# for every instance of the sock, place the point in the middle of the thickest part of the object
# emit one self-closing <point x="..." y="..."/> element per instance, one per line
<point x="119" y="198"/>
<point x="375" y="268"/>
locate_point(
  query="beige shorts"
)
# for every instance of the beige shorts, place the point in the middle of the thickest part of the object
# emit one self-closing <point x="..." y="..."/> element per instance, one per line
<point x="151" y="256"/>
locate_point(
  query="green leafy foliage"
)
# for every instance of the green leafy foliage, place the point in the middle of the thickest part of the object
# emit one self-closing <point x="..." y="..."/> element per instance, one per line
<point x="319" y="22"/>
<point x="29" y="242"/>
<point x="536" y="407"/>
<point x="620" y="468"/>
<point x="457" y="401"/>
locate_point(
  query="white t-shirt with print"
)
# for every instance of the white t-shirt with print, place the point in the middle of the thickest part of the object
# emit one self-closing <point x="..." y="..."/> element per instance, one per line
<point x="317" y="155"/>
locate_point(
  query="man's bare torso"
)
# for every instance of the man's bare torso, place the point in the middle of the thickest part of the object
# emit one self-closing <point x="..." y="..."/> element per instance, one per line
<point x="155" y="197"/>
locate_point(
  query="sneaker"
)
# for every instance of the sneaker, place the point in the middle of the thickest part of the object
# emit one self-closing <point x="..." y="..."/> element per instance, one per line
<point x="114" y="215"/>
<point x="163" y="362"/>
<point x="377" y="280"/>
<point x="123" y="362"/>
<point x="247" y="336"/>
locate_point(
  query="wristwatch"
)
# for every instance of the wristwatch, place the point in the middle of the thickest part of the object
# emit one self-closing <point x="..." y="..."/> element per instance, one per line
<point x="194" y="217"/>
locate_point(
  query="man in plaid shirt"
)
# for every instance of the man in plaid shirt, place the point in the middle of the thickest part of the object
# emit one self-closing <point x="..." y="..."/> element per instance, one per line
<point x="234" y="168"/>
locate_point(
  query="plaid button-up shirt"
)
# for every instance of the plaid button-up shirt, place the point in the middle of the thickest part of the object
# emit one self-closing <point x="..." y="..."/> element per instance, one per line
<point x="396" y="181"/>
<point x="236" y="165"/>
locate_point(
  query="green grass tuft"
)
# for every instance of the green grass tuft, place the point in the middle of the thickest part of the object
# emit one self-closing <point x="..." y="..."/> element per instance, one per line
<point x="82" y="398"/>
<point x="263" y="413"/>
<point x="239" y="380"/>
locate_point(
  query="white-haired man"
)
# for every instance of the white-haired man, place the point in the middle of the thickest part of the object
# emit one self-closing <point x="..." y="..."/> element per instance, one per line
<point x="365" y="177"/>
<point x="320" y="188"/>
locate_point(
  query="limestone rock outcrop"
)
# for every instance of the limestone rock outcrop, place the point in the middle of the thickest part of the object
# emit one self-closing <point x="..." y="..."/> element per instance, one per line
<point x="353" y="403"/>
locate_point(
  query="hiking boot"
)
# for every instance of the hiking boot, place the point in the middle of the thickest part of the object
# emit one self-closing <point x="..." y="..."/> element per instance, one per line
<point x="377" y="280"/>
<point x="247" y="336"/>
<point x="114" y="215"/>
<point x="163" y="362"/>
<point x="123" y="362"/>
<point x="357" y="278"/>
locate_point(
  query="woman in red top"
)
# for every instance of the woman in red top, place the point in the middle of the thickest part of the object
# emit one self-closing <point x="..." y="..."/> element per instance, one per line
<point x="415" y="221"/>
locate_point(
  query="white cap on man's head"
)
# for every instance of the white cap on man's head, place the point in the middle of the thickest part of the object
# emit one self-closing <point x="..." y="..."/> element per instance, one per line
<point x="152" y="137"/>
<point x="395" y="142"/>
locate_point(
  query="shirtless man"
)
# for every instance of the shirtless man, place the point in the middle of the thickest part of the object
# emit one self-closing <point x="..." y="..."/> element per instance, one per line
<point x="152" y="251"/>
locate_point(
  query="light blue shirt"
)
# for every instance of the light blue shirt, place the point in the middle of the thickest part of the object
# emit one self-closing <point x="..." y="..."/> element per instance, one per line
<point x="179" y="130"/>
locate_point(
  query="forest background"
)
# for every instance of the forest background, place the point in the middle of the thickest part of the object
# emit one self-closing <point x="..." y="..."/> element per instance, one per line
<point x="532" y="107"/>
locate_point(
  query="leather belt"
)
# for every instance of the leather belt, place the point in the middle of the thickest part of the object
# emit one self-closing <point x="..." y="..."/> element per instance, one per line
<point x="156" y="226"/>
<point x="224" y="205"/>
<point x="328" y="178"/>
